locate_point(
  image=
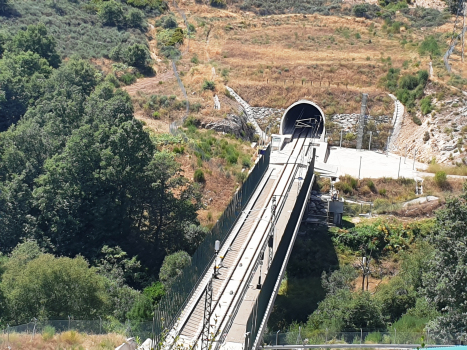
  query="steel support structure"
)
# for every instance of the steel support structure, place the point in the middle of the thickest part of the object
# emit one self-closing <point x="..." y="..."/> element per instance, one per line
<point x="205" y="337"/>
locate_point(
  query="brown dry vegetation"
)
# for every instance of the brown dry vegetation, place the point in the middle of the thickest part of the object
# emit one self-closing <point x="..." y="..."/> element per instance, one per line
<point x="65" y="340"/>
<point x="394" y="190"/>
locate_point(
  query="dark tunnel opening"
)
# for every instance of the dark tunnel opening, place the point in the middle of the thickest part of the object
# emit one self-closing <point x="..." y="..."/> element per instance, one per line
<point x="299" y="112"/>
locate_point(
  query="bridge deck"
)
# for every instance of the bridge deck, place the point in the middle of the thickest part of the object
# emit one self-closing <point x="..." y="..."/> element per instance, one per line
<point x="234" y="289"/>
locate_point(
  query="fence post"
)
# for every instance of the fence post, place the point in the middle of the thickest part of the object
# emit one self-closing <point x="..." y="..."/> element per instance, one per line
<point x="69" y="322"/>
<point x="395" y="335"/>
<point x="361" y="335"/>
<point x="100" y="325"/>
<point x="277" y="335"/>
<point x="8" y="333"/>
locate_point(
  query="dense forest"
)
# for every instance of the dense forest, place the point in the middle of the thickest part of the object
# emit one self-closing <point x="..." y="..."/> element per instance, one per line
<point x="86" y="197"/>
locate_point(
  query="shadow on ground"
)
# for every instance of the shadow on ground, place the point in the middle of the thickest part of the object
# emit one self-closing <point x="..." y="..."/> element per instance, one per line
<point x="301" y="291"/>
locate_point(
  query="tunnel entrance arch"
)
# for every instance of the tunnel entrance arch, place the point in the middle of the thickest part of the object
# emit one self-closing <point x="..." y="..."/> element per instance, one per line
<point x="301" y="114"/>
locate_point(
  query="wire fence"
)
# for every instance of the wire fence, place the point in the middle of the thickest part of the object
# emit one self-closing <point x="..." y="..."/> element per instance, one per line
<point x="143" y="330"/>
<point x="363" y="337"/>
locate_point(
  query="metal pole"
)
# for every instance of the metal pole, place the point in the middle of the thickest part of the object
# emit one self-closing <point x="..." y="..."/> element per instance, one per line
<point x="387" y="148"/>
<point x="463" y="28"/>
<point x="340" y="144"/>
<point x="361" y="335"/>
<point x="414" y="155"/>
<point x="369" y="144"/>
<point x="398" y="173"/>
<point x="100" y="325"/>
<point x="360" y="167"/>
<point x="277" y="335"/>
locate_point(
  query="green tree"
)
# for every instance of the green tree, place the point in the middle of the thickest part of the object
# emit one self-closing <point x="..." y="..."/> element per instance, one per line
<point x="338" y="280"/>
<point x="395" y="298"/>
<point x="3" y="5"/>
<point x="446" y="276"/>
<point x="52" y="287"/>
<point x="110" y="13"/>
<point x="135" y="18"/>
<point x="173" y="266"/>
<point x="137" y="55"/>
<point x="116" y="266"/>
<point x="348" y="311"/>
<point x="36" y="39"/>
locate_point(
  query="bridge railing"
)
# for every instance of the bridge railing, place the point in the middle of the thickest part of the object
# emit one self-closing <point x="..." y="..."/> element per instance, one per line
<point x="180" y="291"/>
<point x="259" y="311"/>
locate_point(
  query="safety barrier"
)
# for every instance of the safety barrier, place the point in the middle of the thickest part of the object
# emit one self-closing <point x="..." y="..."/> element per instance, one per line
<point x="172" y="304"/>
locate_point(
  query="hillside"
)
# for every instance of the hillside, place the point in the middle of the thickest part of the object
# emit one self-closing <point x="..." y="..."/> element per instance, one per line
<point x="110" y="176"/>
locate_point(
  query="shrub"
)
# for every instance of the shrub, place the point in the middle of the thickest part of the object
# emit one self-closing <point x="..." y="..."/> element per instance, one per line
<point x="208" y="85"/>
<point x="426" y="137"/>
<point x="127" y="78"/>
<point x="135" y="18"/>
<point x="416" y="120"/>
<point x="360" y="10"/>
<point x="382" y="192"/>
<point x="441" y="179"/>
<point x="195" y="59"/>
<point x="199" y="176"/>
<point x="232" y="159"/>
<point x="425" y="105"/>
<point x="137" y="55"/>
<point x="48" y="332"/>
<point x="343" y="187"/>
<point x="241" y="176"/>
<point x="246" y="162"/>
<point x="408" y="82"/>
<point x="110" y="13"/>
<point x="168" y="22"/>
<point x="371" y="186"/>
<point x="429" y="46"/>
<point x="217" y="3"/>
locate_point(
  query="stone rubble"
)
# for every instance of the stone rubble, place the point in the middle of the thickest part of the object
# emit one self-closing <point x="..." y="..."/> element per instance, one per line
<point x="348" y="122"/>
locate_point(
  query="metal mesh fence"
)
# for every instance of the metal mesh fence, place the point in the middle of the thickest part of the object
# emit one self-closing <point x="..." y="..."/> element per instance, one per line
<point x="143" y="330"/>
<point x="363" y="337"/>
<point x="171" y="305"/>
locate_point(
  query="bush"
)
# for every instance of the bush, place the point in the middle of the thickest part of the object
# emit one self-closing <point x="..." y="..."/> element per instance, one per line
<point x="208" y="85"/>
<point x="199" y="176"/>
<point x="128" y="78"/>
<point x="137" y="55"/>
<point x="371" y="186"/>
<point x="382" y="192"/>
<point x="426" y="137"/>
<point x="246" y="162"/>
<point x="195" y="59"/>
<point x="110" y="13"/>
<point x="408" y="82"/>
<point x="441" y="179"/>
<point x="135" y="18"/>
<point x="48" y="332"/>
<point x="232" y="159"/>
<point x="241" y="176"/>
<point x="425" y="105"/>
<point x="429" y="46"/>
<point x="217" y="3"/>
<point x="416" y="120"/>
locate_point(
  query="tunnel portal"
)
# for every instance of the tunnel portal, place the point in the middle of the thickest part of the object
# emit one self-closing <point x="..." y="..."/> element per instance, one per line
<point x="302" y="114"/>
